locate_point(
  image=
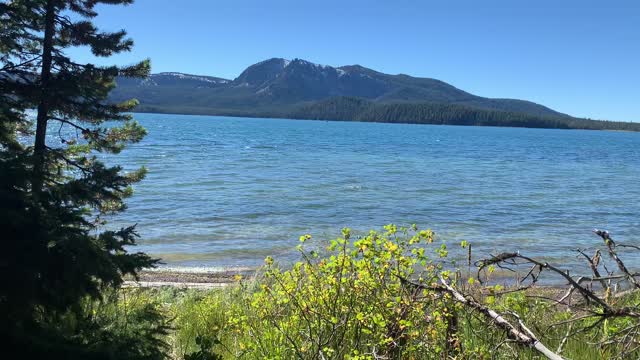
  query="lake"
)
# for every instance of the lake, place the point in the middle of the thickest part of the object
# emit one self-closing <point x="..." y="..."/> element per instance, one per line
<point x="227" y="192"/>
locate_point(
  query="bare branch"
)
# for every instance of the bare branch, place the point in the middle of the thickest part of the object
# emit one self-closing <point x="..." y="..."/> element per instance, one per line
<point x="628" y="246"/>
<point x="593" y="264"/>
<point x="564" y="339"/>
<point x="588" y="294"/>
<point x="608" y="241"/>
<point x="524" y="337"/>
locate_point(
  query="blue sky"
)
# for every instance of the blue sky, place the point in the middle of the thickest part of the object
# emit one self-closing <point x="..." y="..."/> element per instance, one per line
<point x="579" y="57"/>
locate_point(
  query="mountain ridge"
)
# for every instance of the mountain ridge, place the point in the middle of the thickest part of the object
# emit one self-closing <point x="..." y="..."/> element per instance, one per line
<point x="278" y="87"/>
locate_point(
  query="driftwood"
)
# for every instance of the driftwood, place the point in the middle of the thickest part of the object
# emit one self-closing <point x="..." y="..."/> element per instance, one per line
<point x="598" y="305"/>
<point x="522" y="336"/>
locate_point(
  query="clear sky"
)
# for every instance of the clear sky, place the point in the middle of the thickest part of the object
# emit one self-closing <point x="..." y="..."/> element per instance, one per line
<point x="581" y="57"/>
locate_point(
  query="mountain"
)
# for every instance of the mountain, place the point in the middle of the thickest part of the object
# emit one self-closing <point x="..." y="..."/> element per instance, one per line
<point x="301" y="89"/>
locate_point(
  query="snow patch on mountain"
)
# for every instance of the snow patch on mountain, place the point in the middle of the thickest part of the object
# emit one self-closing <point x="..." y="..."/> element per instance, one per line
<point x="264" y="90"/>
<point x="194" y="77"/>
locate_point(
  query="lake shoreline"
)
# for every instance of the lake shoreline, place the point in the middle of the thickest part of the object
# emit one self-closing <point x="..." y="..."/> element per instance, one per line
<point x="280" y="117"/>
<point x="211" y="278"/>
<point x="189" y="277"/>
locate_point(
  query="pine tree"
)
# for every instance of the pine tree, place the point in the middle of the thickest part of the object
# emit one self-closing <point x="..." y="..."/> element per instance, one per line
<point x="54" y="192"/>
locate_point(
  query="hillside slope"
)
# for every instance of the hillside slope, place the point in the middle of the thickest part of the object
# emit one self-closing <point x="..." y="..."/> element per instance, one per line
<point x="301" y="89"/>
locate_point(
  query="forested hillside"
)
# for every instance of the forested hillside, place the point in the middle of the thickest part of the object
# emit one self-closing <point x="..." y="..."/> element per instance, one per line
<point x="354" y="109"/>
<point x="299" y="89"/>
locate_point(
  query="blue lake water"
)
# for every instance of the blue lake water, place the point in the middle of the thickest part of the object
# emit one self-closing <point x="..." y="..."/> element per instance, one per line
<point x="229" y="191"/>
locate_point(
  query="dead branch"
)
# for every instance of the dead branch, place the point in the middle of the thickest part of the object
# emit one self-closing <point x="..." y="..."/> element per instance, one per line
<point x="605" y="312"/>
<point x="593" y="264"/>
<point x="524" y="337"/>
<point x="611" y="247"/>
<point x="564" y="339"/>
<point x="628" y="246"/>
<point x="586" y="293"/>
<point x="599" y="306"/>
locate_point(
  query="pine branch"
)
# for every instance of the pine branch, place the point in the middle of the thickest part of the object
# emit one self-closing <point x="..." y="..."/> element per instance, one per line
<point x="58" y="153"/>
<point x="15" y="66"/>
<point x="83" y="129"/>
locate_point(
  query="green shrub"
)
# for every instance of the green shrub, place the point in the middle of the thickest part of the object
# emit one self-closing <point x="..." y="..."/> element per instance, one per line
<point x="348" y="303"/>
<point x="123" y="324"/>
<point x="200" y="319"/>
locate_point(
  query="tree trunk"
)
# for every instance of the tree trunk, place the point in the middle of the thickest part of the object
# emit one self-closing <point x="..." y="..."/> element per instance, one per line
<point x="43" y="104"/>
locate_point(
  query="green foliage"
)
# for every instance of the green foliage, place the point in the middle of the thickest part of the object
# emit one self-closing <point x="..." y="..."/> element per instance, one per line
<point x="348" y="302"/>
<point x="205" y="352"/>
<point x="128" y="324"/>
<point x="200" y="320"/>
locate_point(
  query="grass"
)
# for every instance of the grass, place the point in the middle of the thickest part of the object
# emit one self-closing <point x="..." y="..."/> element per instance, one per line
<point x="206" y="314"/>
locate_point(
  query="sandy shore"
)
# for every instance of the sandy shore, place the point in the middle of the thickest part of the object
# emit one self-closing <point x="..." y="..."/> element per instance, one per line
<point x="193" y="278"/>
<point x="212" y="278"/>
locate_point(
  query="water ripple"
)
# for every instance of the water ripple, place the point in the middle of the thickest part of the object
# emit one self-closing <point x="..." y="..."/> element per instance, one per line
<point x="230" y="191"/>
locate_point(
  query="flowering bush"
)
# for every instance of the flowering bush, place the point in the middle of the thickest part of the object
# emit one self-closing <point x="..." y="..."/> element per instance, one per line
<point x="350" y="302"/>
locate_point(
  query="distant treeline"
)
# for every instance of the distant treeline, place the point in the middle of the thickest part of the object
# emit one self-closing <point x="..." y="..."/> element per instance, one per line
<point x="356" y="109"/>
<point x="359" y="109"/>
